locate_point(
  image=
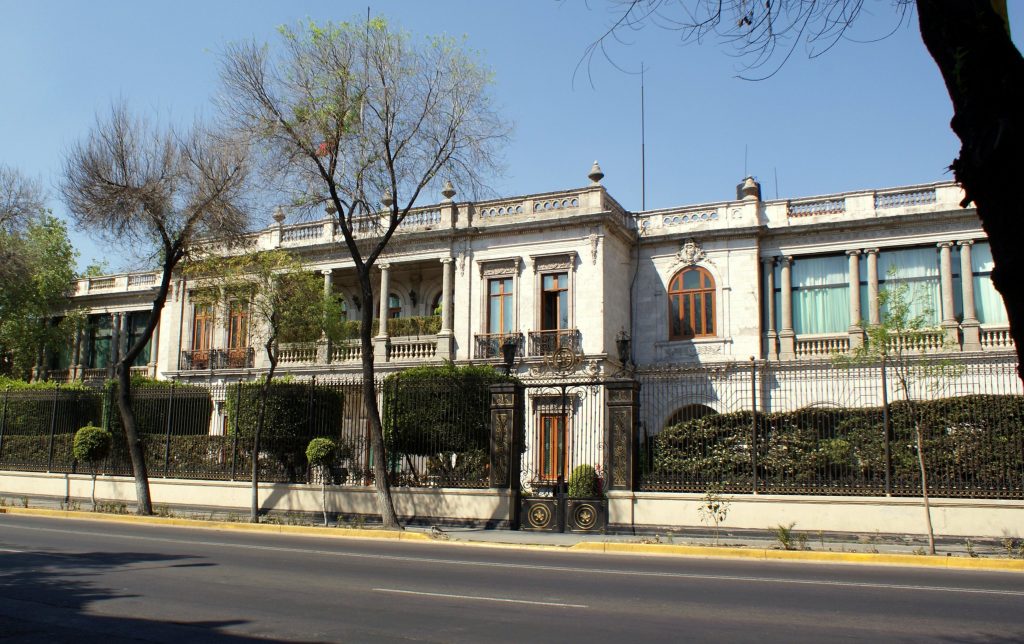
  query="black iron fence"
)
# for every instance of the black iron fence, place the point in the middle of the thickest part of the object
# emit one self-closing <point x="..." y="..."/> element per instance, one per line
<point x="436" y="435"/>
<point x="824" y="429"/>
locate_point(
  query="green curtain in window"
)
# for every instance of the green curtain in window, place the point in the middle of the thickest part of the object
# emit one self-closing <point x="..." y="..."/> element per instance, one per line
<point x="918" y="268"/>
<point x="821" y="295"/>
<point x="987" y="301"/>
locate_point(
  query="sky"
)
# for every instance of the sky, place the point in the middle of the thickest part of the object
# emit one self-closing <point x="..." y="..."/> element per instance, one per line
<point x="868" y="113"/>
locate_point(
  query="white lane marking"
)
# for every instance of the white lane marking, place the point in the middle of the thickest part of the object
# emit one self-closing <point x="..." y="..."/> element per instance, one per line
<point x="476" y="598"/>
<point x="10" y="550"/>
<point x="538" y="567"/>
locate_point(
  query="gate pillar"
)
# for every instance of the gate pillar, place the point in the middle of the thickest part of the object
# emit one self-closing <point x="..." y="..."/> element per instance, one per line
<point x="507" y="404"/>
<point x="621" y="434"/>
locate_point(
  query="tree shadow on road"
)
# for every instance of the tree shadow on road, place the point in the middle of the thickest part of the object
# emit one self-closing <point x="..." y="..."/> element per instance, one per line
<point x="48" y="597"/>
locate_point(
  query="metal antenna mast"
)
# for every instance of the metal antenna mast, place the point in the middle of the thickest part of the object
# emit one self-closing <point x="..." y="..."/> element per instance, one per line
<point x="643" y="150"/>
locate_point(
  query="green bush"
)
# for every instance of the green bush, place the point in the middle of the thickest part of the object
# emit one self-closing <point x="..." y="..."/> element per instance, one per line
<point x="439" y="409"/>
<point x="321" y="452"/>
<point x="584" y="483"/>
<point x="91" y="445"/>
<point x="970" y="441"/>
<point x="296" y="412"/>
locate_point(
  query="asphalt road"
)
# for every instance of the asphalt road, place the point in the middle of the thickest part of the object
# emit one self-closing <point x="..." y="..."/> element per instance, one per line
<point x="83" y="581"/>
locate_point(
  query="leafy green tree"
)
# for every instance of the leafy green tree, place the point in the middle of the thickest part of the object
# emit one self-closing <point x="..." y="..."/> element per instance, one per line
<point x="36" y="272"/>
<point x="164" y="191"/>
<point x="349" y="116"/>
<point x="970" y="42"/>
<point x="321" y="453"/>
<point x="91" y="445"/>
<point x="284" y="302"/>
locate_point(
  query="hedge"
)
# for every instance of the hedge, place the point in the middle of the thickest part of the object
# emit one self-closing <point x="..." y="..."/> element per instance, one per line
<point x="296" y="412"/>
<point x="970" y="442"/>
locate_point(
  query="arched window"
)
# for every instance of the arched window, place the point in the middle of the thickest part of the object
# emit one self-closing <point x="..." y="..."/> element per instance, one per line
<point x="691" y="304"/>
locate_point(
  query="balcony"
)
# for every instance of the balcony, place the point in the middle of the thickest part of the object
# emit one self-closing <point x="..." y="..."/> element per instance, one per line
<point x="200" y="359"/>
<point x="488" y="345"/>
<point x="546" y="343"/>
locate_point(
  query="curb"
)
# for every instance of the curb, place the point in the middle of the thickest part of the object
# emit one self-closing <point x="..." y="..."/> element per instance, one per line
<point x="922" y="561"/>
<point x="354" y="533"/>
<point x="708" y="552"/>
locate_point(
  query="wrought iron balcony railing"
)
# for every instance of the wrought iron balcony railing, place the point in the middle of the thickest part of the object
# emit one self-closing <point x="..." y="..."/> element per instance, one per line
<point x="488" y="345"/>
<point x="546" y="343"/>
<point x="199" y="359"/>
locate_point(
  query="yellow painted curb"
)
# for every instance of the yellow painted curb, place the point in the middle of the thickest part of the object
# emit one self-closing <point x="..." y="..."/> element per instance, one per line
<point x="805" y="555"/>
<point x="310" y="531"/>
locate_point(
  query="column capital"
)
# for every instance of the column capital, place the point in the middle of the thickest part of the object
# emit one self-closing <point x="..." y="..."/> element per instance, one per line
<point x="870" y="251"/>
<point x="769" y="261"/>
<point x="383" y="266"/>
<point x="853" y="253"/>
<point x="785" y="260"/>
<point x="965" y="242"/>
<point x="327" y="271"/>
<point x="945" y="244"/>
<point x="447" y="260"/>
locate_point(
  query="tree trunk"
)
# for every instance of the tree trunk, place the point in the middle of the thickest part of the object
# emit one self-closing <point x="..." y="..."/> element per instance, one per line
<point x="144" y="504"/>
<point x="323" y="492"/>
<point x="254" y="510"/>
<point x="924" y="487"/>
<point x="984" y="75"/>
<point x="385" y="504"/>
<point x="93" y="489"/>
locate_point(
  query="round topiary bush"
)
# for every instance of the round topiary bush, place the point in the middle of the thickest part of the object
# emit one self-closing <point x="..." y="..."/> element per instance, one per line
<point x="91" y="445"/>
<point x="583" y="482"/>
<point x="320" y="452"/>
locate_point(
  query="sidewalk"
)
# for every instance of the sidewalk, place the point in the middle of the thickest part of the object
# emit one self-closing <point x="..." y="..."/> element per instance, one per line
<point x="696" y="541"/>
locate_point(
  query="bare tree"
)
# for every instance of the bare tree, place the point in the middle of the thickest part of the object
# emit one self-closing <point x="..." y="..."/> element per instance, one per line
<point x="352" y="115"/>
<point x="971" y="45"/>
<point x="138" y="184"/>
<point x="21" y="200"/>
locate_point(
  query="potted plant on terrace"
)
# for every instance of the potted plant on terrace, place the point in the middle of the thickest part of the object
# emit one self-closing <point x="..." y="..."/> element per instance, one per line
<point x="586" y="509"/>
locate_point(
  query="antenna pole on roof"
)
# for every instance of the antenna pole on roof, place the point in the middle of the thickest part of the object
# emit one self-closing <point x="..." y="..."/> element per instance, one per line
<point x="776" y="182"/>
<point x="643" y="151"/>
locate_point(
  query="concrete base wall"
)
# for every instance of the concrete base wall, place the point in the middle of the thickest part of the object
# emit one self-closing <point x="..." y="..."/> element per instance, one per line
<point x="647" y="511"/>
<point x="476" y="507"/>
<point x="891" y="515"/>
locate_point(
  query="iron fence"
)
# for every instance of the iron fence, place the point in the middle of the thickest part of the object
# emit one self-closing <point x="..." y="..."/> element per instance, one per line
<point x="817" y="428"/>
<point x="563" y="430"/>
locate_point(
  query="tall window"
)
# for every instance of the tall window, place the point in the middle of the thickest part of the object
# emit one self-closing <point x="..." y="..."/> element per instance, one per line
<point x="918" y="269"/>
<point x="821" y="294"/>
<point x="987" y="301"/>
<point x="691" y="303"/>
<point x="500" y="314"/>
<point x="554" y="302"/>
<point x="394" y="306"/>
<point x="100" y="333"/>
<point x="137" y="322"/>
<point x="202" y="327"/>
<point x="552" y="446"/>
<point x="238" y="325"/>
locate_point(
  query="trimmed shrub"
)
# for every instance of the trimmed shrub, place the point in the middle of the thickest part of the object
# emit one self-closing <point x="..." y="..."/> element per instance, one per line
<point x="584" y="483"/>
<point x="91" y="445"/>
<point x="321" y="452"/>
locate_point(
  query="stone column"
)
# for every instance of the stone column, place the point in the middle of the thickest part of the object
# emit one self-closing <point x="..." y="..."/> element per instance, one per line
<point x="787" y="338"/>
<point x="446" y="336"/>
<point x="874" y="315"/>
<point x="76" y="354"/>
<point x="855" y="330"/>
<point x="771" y="336"/>
<point x="115" y="343"/>
<point x="323" y="345"/>
<point x="970" y="325"/>
<point x="623" y="420"/>
<point x="380" y="342"/>
<point x="950" y="327"/>
<point x="154" y="350"/>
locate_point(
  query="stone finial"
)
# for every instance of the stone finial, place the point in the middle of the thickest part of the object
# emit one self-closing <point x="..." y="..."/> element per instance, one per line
<point x="748" y="189"/>
<point x="448" y="190"/>
<point x="595" y="175"/>
<point x="279" y="215"/>
<point x="387" y="199"/>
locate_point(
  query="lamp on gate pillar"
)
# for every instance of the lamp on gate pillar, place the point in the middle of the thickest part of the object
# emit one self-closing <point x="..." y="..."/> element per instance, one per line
<point x="622" y="344"/>
<point x="508" y="353"/>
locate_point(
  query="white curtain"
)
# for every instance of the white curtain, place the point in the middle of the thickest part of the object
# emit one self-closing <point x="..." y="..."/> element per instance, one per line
<point x="918" y="268"/>
<point x="821" y="294"/>
<point x="987" y="301"/>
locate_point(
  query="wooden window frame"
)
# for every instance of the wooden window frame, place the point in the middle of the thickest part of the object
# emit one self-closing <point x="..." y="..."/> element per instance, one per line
<point x="687" y="297"/>
<point x="505" y="298"/>
<point x="560" y="424"/>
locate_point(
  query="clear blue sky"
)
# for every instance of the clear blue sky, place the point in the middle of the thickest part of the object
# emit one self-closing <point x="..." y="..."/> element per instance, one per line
<point x="863" y="115"/>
